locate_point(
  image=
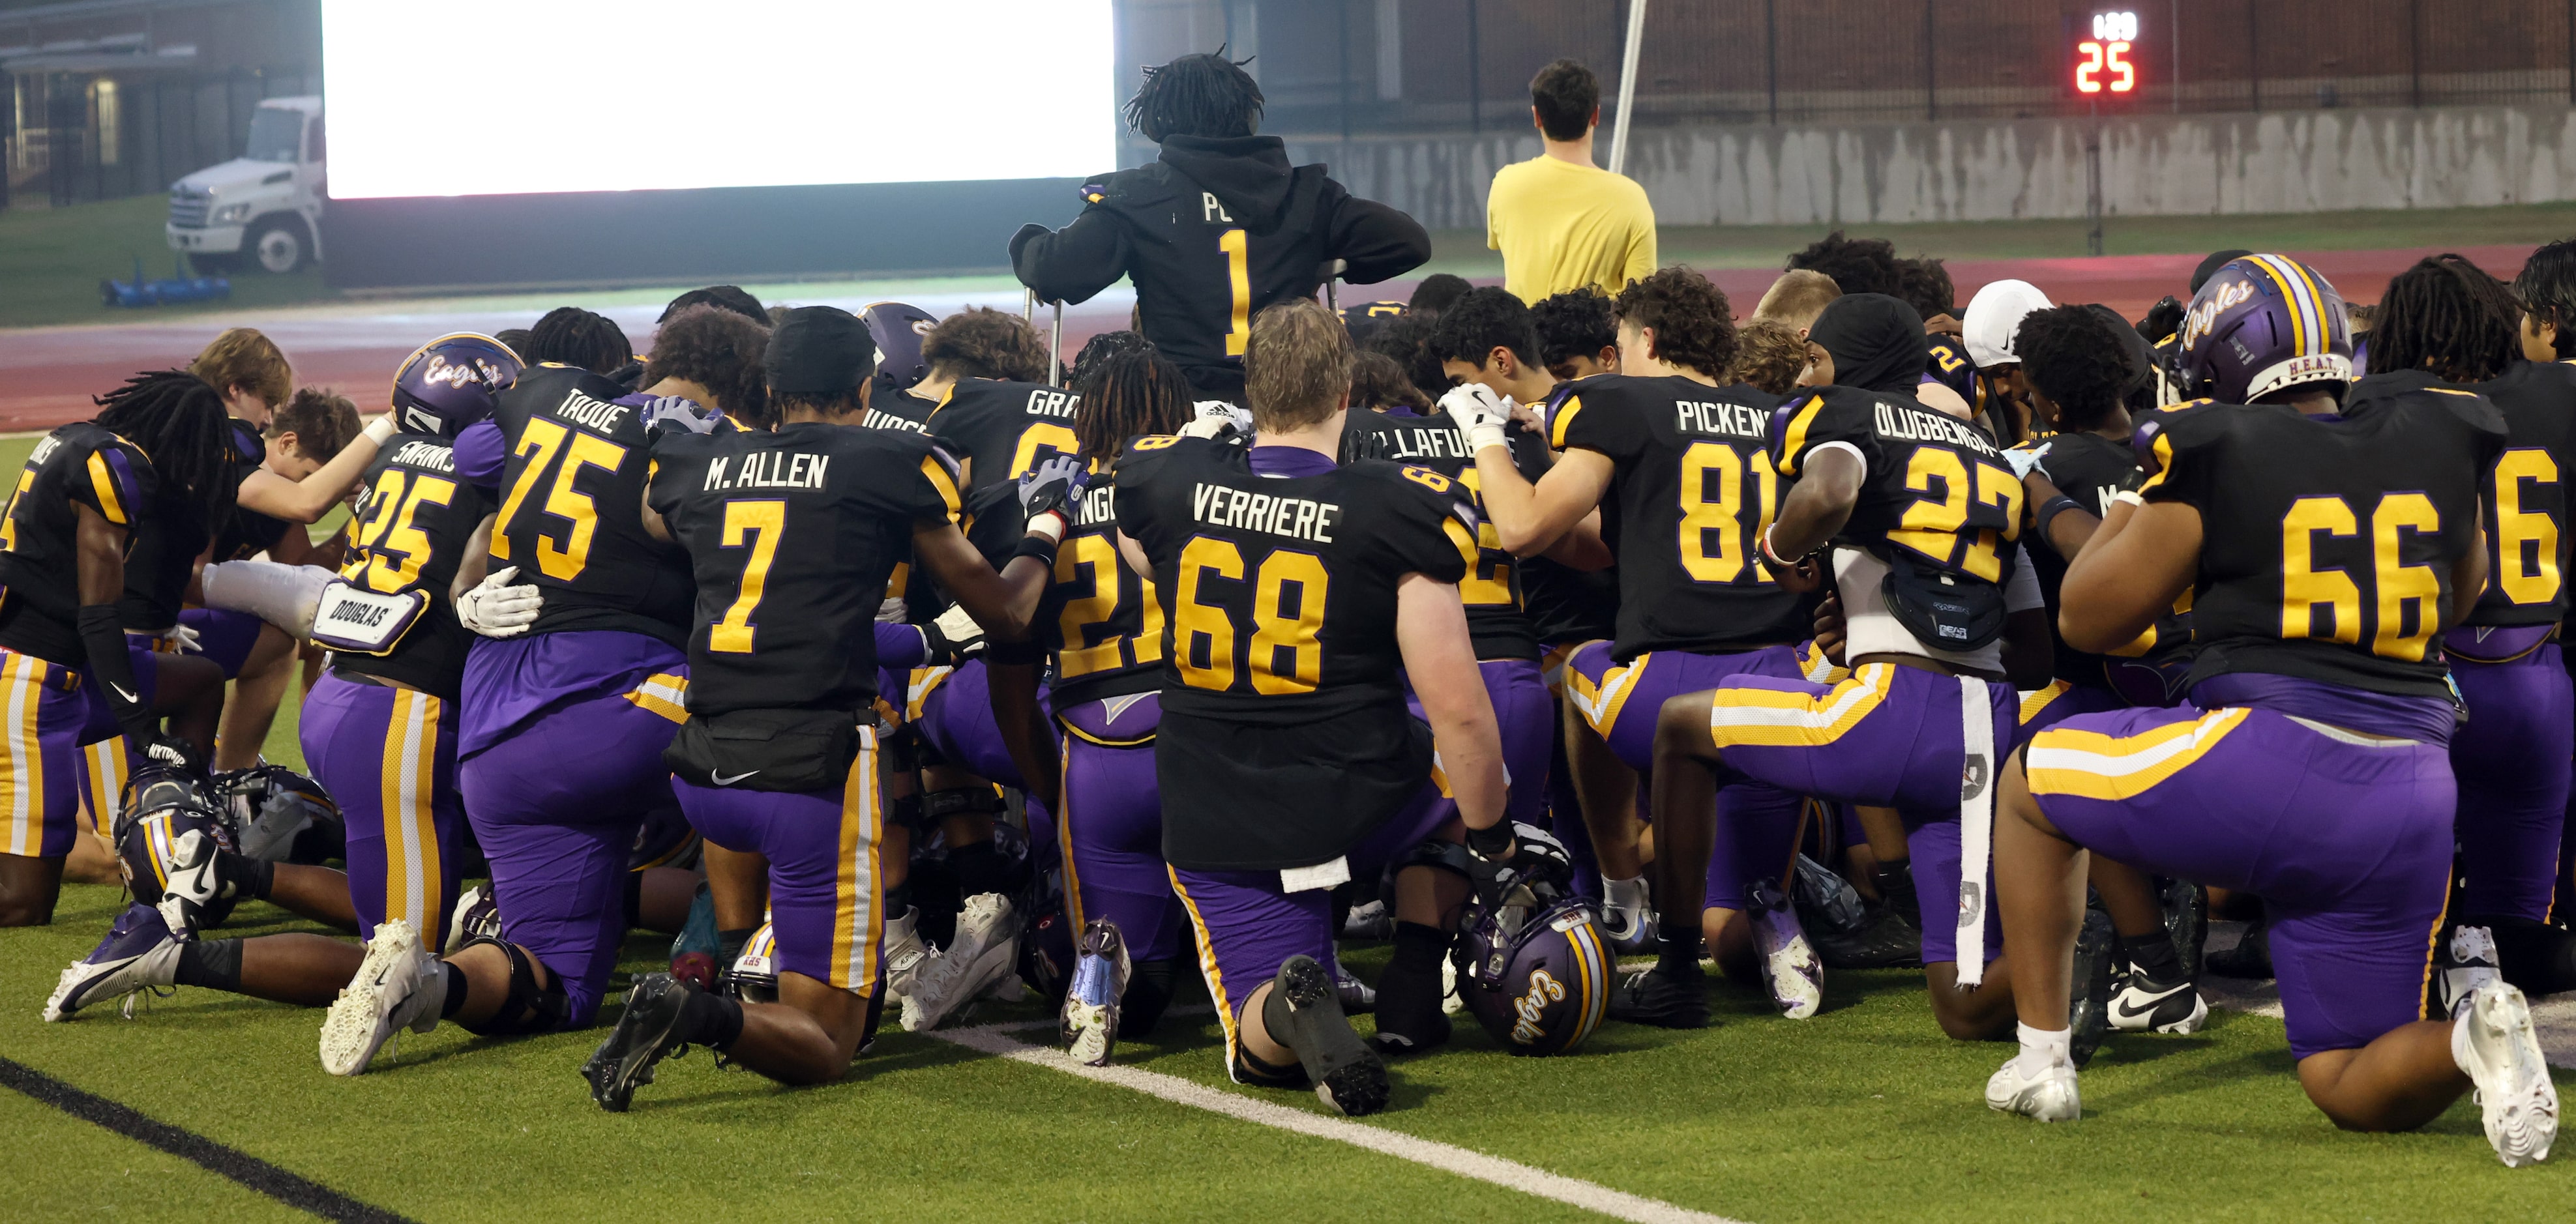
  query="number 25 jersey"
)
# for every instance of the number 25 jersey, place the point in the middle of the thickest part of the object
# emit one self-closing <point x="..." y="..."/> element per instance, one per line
<point x="792" y="535"/>
<point x="2326" y="543"/>
<point x="1691" y="492"/>
<point x="415" y="516"/>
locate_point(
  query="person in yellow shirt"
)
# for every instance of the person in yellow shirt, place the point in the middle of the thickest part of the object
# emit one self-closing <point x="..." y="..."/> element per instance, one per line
<point x="1561" y="222"/>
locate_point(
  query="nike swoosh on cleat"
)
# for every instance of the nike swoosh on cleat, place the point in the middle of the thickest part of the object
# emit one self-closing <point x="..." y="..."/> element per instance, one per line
<point x="2120" y="1006"/>
<point x="721" y="780"/>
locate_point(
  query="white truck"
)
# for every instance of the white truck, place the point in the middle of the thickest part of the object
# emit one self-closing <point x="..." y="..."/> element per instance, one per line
<point x="263" y="209"/>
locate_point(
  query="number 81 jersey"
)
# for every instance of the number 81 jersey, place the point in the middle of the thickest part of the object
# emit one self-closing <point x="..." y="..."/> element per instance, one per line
<point x="1280" y="593"/>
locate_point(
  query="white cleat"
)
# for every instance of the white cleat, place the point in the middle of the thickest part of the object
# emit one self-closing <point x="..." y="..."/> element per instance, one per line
<point x="139" y="953"/>
<point x="399" y="984"/>
<point x="2493" y="1042"/>
<point x="1625" y="919"/>
<point x="904" y="954"/>
<point x="2048" y="1097"/>
<point x="1790" y="967"/>
<point x="2468" y="963"/>
<point x="984" y="950"/>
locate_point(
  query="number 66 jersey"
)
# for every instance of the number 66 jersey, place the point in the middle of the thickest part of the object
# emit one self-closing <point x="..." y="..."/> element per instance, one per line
<point x="1285" y="737"/>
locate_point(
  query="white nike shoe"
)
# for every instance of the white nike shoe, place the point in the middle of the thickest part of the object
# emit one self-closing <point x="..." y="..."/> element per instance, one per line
<point x="476" y="915"/>
<point x="1625" y="920"/>
<point x="982" y="951"/>
<point x="1790" y="968"/>
<point x="2468" y="962"/>
<point x="140" y="952"/>
<point x="399" y="984"/>
<point x="2144" y="1005"/>
<point x="2493" y="1042"/>
<point x="903" y="952"/>
<point x="2048" y="1097"/>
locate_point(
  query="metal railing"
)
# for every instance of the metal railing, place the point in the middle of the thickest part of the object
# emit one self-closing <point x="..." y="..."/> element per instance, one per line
<point x="67" y="142"/>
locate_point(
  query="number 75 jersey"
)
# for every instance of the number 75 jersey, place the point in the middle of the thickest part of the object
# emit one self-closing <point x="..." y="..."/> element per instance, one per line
<point x="791" y="536"/>
<point x="571" y="519"/>
<point x="1280" y="593"/>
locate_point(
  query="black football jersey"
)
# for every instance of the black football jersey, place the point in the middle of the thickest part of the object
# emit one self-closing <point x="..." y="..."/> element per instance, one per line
<point x="76" y="465"/>
<point x="2526" y="491"/>
<point x="902" y="413"/>
<point x="1692" y="491"/>
<point x="1211" y="234"/>
<point x="2093" y="470"/>
<point x="998" y="430"/>
<point x="1497" y="618"/>
<point x="1938" y="490"/>
<point x="2327" y="544"/>
<point x="792" y="536"/>
<point x="162" y="555"/>
<point x="1284" y="738"/>
<point x="414" y="518"/>
<point x="1949" y="366"/>
<point x="247" y="533"/>
<point x="1102" y="621"/>
<point x="571" y="512"/>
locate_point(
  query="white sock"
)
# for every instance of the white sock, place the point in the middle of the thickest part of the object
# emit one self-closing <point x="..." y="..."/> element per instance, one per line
<point x="1624" y="894"/>
<point x="2042" y="1049"/>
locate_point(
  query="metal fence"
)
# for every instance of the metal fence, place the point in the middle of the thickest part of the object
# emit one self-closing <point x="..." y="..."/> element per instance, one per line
<point x="1385" y="66"/>
<point x="76" y="137"/>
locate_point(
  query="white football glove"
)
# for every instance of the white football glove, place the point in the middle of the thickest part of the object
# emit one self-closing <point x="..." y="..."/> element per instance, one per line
<point x="1480" y="413"/>
<point x="2023" y="461"/>
<point x="497" y="609"/>
<point x="181" y="639"/>
<point x="893" y="611"/>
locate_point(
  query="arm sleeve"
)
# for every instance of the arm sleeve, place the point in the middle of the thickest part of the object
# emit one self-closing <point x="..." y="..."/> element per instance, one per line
<point x="1376" y="241"/>
<point x="1073" y="263"/>
<point x="2021" y="590"/>
<point x="481" y="454"/>
<point x="900" y="647"/>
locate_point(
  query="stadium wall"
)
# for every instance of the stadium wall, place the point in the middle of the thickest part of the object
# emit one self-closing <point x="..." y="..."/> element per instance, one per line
<point x="1986" y="170"/>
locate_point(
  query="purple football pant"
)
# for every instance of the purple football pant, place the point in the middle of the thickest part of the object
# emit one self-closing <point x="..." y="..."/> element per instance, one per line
<point x="2347" y="840"/>
<point x="1887" y="737"/>
<point x="2047" y="707"/>
<point x="826" y="883"/>
<point x="388" y="757"/>
<point x="1757" y="824"/>
<point x="556" y="797"/>
<point x="43" y="707"/>
<point x="224" y="635"/>
<point x="1247" y="927"/>
<point x="1111" y="830"/>
<point x="953" y="709"/>
<point x="1524" y="713"/>
<point x="2512" y="761"/>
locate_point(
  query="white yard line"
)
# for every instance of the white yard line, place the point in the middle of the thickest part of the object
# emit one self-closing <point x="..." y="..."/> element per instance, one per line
<point x="1511" y="1175"/>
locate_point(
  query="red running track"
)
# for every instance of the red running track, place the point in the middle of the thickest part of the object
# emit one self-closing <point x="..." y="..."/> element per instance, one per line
<point x="47" y="375"/>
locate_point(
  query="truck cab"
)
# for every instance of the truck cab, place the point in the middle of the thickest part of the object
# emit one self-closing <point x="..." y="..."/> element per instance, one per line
<point x="263" y="210"/>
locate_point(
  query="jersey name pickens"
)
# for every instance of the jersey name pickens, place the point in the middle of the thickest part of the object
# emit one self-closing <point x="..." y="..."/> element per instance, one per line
<point x="1295" y="517"/>
<point x="1722" y="419"/>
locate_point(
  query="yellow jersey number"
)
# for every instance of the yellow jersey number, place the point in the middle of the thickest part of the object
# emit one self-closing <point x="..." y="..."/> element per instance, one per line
<point x="1937" y="527"/>
<point x="2307" y="590"/>
<point x="388" y="547"/>
<point x="1086" y="613"/>
<point x="555" y="456"/>
<point x="755" y="525"/>
<point x="2526" y="541"/>
<point x="1730" y="496"/>
<point x="1286" y="652"/>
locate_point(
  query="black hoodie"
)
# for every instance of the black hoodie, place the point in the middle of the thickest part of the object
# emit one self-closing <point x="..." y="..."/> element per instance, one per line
<point x="1210" y="234"/>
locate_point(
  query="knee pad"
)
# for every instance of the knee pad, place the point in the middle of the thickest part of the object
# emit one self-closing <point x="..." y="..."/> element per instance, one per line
<point x="1432" y="852"/>
<point x="906" y="813"/>
<point x="528" y="1007"/>
<point x="978" y="800"/>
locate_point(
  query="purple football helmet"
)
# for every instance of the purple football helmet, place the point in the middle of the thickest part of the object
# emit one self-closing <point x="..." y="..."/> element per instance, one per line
<point x="1533" y="966"/>
<point x="162" y="804"/>
<point x="2258" y="325"/>
<point x="898" y="330"/>
<point x="452" y="382"/>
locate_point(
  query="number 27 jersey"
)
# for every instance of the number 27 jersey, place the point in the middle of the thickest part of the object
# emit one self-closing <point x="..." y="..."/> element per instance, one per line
<point x="1937" y="490"/>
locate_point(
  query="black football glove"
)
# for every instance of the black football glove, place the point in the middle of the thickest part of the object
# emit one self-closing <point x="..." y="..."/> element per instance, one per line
<point x="2163" y="319"/>
<point x="177" y="753"/>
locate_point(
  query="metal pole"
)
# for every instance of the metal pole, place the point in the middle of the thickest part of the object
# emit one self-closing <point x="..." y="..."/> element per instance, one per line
<point x="1771" y="53"/>
<point x="1628" y="85"/>
<point x="1029" y="306"/>
<point x="1475" y="75"/>
<point x="1342" y="13"/>
<point x="2093" y="182"/>
<point x="1055" y="346"/>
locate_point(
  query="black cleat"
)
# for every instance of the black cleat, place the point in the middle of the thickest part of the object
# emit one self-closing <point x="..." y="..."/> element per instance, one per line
<point x="2250" y="958"/>
<point x="2187" y="922"/>
<point x="1409" y="1018"/>
<point x="645" y="1035"/>
<point x="1887" y="939"/>
<point x="1347" y="1074"/>
<point x="2088" y="1012"/>
<point x="1660" y="999"/>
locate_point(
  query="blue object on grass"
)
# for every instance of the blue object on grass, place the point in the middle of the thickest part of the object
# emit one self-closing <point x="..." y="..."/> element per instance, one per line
<point x="179" y="288"/>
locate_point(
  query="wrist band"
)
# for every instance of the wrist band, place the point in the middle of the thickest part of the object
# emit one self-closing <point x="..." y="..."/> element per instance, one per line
<point x="1489" y="843"/>
<point x="2050" y="509"/>
<point x="1770" y="555"/>
<point x="1035" y="545"/>
<point x="2130" y="496"/>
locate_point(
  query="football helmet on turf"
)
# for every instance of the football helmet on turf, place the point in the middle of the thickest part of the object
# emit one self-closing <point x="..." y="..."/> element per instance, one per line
<point x="270" y="806"/>
<point x="161" y="805"/>
<point x="1533" y="965"/>
<point x="452" y="382"/>
<point x="2260" y="324"/>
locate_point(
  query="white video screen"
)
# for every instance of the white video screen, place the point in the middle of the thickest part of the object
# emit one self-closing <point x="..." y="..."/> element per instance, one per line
<point x="502" y="97"/>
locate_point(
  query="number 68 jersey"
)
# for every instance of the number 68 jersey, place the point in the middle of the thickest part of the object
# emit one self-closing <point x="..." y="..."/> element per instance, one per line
<point x="791" y="536"/>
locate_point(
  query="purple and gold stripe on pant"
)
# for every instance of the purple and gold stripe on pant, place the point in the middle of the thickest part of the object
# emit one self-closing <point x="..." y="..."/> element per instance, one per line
<point x="41" y="713"/>
<point x="858" y="921"/>
<point x="414" y="874"/>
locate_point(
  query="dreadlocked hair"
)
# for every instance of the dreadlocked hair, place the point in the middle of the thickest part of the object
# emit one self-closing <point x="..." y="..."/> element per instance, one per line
<point x="2448" y="316"/>
<point x="1197" y="95"/>
<point x="1858" y="265"/>
<point x="1133" y="394"/>
<point x="2547" y="288"/>
<point x="570" y="335"/>
<point x="2071" y="354"/>
<point x="179" y="421"/>
<point x="1097" y="351"/>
